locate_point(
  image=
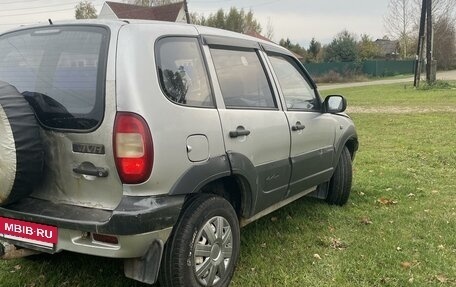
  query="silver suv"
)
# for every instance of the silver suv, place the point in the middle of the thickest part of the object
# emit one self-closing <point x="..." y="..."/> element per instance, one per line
<point x="154" y="142"/>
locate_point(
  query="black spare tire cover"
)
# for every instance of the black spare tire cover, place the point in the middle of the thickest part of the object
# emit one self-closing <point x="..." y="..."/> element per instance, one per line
<point x="21" y="150"/>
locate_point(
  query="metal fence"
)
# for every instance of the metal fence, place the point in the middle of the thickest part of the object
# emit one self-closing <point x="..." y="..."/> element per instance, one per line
<point x="375" y="68"/>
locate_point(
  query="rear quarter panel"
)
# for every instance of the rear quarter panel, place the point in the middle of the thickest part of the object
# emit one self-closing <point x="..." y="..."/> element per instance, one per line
<point x="139" y="91"/>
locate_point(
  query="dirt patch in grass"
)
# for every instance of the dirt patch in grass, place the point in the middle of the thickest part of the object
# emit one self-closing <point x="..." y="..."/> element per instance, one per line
<point x="399" y="110"/>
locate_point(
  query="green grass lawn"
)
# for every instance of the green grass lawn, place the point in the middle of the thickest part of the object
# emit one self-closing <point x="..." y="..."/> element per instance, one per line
<point x="398" y="228"/>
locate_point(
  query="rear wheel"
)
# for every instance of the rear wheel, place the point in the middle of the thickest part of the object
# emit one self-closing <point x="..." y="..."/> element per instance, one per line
<point x="341" y="181"/>
<point x="204" y="246"/>
<point x="21" y="150"/>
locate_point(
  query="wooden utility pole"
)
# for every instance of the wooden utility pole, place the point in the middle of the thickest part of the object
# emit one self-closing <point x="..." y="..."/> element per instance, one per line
<point x="419" y="52"/>
<point x="187" y="15"/>
<point x="429" y="43"/>
<point x="425" y="24"/>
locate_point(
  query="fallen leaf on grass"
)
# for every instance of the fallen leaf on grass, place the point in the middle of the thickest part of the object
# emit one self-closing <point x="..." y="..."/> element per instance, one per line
<point x="366" y="220"/>
<point x="263" y="244"/>
<point x="441" y="278"/>
<point x="338" y="244"/>
<point x="317" y="256"/>
<point x="435" y="191"/>
<point x="411" y="195"/>
<point x="274" y="219"/>
<point x="385" y="201"/>
<point x="406" y="264"/>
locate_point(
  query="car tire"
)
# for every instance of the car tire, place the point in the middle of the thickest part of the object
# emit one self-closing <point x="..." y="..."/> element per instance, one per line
<point x="21" y="149"/>
<point x="341" y="181"/>
<point x="204" y="246"/>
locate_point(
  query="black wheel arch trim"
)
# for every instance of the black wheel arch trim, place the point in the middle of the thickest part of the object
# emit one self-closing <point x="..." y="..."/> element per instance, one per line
<point x="201" y="174"/>
<point x="231" y="164"/>
<point x="350" y="135"/>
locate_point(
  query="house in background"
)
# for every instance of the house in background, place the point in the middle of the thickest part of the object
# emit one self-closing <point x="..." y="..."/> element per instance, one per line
<point x="171" y="12"/>
<point x="388" y="49"/>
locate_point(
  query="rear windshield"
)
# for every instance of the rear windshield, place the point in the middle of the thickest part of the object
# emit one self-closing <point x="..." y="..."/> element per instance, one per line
<point x="60" y="71"/>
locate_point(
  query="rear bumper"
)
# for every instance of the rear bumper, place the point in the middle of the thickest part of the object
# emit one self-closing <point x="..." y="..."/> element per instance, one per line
<point x="136" y="222"/>
<point x="134" y="215"/>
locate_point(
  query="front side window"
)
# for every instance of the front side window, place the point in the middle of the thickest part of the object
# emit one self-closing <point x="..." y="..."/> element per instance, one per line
<point x="298" y="93"/>
<point x="60" y="71"/>
<point x="242" y="79"/>
<point x="182" y="72"/>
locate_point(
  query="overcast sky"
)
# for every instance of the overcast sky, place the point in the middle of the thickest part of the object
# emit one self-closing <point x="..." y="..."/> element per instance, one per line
<point x="299" y="20"/>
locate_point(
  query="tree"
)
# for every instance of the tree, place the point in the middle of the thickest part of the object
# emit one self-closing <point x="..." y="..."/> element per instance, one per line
<point x="314" y="51"/>
<point x="343" y="48"/>
<point x="444" y="19"/>
<point x="233" y="20"/>
<point x="367" y="48"/>
<point x="85" y="10"/>
<point x="295" y="48"/>
<point x="440" y="8"/>
<point x="445" y="43"/>
<point x="269" y="29"/>
<point x="400" y="23"/>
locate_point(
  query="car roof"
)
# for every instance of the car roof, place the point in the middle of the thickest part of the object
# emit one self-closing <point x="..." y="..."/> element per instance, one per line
<point x="203" y="30"/>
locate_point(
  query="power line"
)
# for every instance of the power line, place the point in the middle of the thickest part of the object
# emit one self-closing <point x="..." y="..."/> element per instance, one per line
<point x="16" y="2"/>
<point x="38" y="7"/>
<point x="41" y="12"/>
<point x="31" y="13"/>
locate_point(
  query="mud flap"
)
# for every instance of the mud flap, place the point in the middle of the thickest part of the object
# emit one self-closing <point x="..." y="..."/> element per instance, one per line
<point x="146" y="268"/>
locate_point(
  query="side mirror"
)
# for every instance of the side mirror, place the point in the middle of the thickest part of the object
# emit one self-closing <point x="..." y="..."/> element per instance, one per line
<point x="335" y="104"/>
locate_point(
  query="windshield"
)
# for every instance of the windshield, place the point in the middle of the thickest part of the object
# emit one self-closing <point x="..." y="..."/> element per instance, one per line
<point x="60" y="72"/>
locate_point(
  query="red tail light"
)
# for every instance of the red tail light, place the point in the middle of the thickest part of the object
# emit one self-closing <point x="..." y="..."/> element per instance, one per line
<point x="133" y="148"/>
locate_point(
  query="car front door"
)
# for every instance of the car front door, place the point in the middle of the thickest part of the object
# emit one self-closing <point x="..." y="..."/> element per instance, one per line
<point x="312" y="132"/>
<point x="255" y="129"/>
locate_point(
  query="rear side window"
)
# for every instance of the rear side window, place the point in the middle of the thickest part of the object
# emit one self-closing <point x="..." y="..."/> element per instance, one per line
<point x="60" y="70"/>
<point x="182" y="72"/>
<point x="242" y="79"/>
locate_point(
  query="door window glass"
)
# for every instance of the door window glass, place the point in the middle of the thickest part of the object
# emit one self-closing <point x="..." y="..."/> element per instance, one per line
<point x="298" y="93"/>
<point x="242" y="79"/>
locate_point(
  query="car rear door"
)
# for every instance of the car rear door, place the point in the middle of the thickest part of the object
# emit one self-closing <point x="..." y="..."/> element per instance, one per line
<point x="67" y="74"/>
<point x="255" y="129"/>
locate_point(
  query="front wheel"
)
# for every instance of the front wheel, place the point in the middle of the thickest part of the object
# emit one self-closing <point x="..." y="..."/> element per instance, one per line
<point x="204" y="246"/>
<point x="341" y="181"/>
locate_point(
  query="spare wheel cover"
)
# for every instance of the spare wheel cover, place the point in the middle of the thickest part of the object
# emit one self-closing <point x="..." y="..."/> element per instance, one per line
<point x="21" y="150"/>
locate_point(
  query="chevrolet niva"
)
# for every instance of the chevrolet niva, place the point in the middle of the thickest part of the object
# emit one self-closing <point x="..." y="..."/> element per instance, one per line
<point x="154" y="142"/>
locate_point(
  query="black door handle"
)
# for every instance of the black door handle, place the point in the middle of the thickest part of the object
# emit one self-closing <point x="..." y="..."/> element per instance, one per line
<point x="88" y="168"/>
<point x="298" y="127"/>
<point x="240" y="131"/>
